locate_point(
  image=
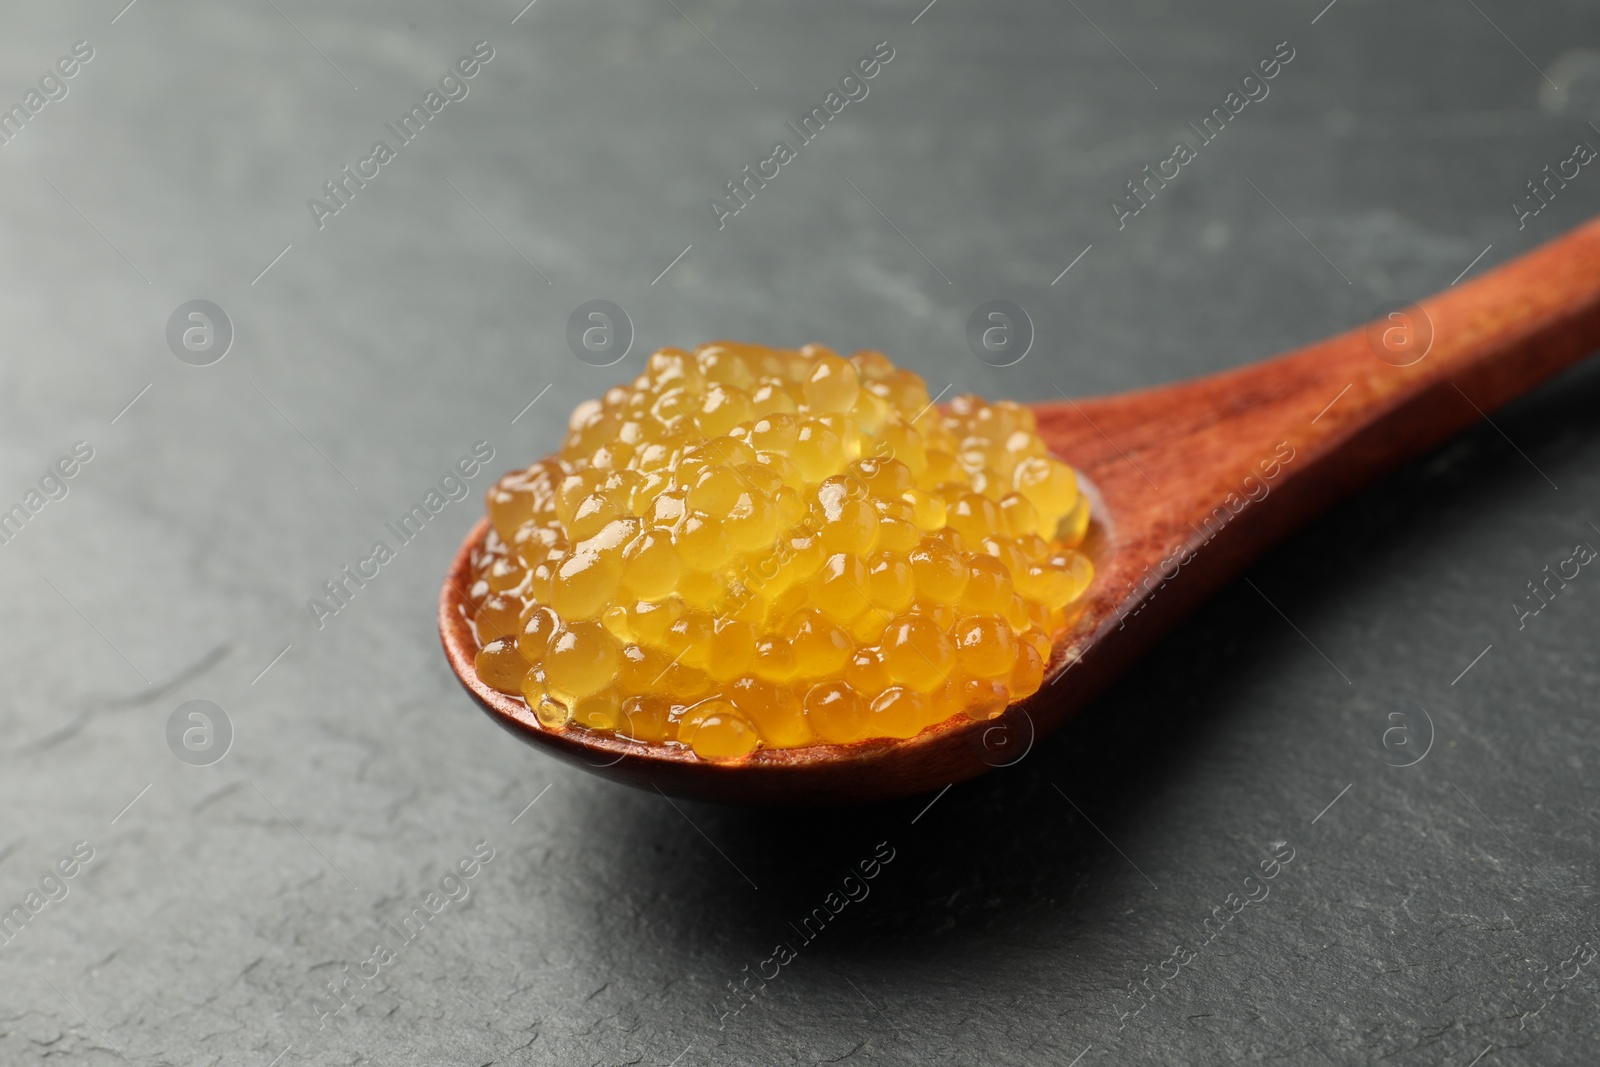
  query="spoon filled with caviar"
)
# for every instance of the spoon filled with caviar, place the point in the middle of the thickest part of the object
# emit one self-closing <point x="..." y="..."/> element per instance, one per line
<point x="757" y="575"/>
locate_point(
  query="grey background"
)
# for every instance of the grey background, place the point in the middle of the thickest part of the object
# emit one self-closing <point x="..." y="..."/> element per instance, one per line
<point x="1426" y="913"/>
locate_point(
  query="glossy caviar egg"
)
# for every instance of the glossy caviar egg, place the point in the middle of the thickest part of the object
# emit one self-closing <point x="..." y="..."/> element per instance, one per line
<point x="749" y="548"/>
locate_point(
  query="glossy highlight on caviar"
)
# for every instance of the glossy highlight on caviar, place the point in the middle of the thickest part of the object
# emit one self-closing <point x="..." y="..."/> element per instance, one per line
<point x="754" y="548"/>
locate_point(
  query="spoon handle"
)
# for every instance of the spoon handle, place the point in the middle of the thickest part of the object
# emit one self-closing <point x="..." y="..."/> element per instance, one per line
<point x="1224" y="466"/>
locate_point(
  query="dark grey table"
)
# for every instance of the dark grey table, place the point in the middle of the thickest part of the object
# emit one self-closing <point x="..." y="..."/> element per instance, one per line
<point x="221" y="910"/>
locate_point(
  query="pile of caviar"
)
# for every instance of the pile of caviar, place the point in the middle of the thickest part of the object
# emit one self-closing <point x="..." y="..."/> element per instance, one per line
<point x="756" y="548"/>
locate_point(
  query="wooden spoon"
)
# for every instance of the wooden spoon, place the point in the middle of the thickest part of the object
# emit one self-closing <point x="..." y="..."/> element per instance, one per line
<point x="1189" y="482"/>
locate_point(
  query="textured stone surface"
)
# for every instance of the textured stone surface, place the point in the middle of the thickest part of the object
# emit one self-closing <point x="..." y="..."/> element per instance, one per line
<point x="1429" y="916"/>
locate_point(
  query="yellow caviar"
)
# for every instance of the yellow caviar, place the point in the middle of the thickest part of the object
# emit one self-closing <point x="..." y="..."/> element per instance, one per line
<point x="755" y="548"/>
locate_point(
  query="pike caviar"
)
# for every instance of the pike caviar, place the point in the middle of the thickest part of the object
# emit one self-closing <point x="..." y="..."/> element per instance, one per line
<point x="754" y="548"/>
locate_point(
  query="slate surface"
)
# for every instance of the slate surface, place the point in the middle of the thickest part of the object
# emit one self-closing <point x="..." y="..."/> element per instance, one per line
<point x="1433" y="914"/>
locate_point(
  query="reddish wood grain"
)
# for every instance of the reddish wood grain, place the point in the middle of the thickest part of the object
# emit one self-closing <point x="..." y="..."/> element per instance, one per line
<point x="1159" y="464"/>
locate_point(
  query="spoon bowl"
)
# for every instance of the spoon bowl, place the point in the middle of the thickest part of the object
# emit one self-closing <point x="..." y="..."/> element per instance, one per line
<point x="1188" y="484"/>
